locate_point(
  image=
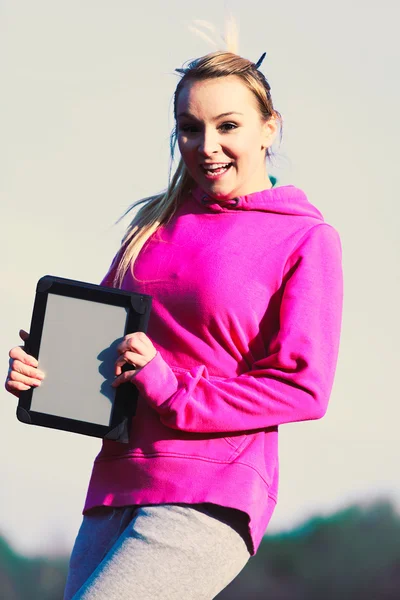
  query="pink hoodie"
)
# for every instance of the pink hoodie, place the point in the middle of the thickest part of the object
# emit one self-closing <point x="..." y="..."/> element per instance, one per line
<point x="247" y="300"/>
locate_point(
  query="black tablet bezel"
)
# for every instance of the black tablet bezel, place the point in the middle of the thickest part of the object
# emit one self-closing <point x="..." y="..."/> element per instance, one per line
<point x="139" y="307"/>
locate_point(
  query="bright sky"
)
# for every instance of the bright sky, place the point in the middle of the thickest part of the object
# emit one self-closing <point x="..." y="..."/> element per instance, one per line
<point x="85" y="118"/>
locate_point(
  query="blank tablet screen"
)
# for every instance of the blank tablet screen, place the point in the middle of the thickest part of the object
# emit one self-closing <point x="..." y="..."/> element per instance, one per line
<point x="78" y="350"/>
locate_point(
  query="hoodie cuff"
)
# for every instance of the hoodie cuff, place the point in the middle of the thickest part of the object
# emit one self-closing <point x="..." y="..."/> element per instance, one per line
<point x="156" y="382"/>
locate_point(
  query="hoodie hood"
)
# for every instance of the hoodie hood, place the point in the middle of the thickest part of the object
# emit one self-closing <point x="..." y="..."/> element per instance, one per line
<point x="284" y="200"/>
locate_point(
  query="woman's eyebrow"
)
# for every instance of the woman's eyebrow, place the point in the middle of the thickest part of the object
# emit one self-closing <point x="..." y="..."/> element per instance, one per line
<point x="225" y="114"/>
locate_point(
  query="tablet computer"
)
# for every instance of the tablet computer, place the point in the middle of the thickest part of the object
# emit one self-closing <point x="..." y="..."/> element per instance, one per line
<point x="75" y="330"/>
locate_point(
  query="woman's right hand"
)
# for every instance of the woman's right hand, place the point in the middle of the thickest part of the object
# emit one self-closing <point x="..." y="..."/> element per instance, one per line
<point x="23" y="372"/>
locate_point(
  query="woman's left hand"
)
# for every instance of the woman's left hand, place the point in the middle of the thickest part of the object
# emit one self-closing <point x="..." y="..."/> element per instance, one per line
<point x="136" y="349"/>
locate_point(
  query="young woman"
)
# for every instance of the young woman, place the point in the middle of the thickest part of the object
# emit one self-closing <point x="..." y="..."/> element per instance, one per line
<point x="247" y="293"/>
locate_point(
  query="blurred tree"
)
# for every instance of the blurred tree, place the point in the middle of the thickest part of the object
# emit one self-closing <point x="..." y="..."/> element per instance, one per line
<point x="353" y="555"/>
<point x="24" y="578"/>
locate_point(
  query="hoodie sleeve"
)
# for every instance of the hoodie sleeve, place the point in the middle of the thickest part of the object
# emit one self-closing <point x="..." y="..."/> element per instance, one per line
<point x="294" y="380"/>
<point x="108" y="278"/>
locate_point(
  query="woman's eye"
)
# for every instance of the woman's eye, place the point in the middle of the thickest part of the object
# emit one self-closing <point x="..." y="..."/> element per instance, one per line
<point x="228" y="126"/>
<point x="188" y="128"/>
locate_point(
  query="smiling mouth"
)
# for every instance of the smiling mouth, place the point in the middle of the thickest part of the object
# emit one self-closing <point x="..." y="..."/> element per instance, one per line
<point x="216" y="169"/>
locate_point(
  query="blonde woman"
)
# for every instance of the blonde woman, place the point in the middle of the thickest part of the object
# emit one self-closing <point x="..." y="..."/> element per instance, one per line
<point x="246" y="283"/>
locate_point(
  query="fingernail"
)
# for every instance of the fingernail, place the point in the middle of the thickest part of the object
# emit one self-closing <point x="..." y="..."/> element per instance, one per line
<point x="37" y="382"/>
<point x="40" y="374"/>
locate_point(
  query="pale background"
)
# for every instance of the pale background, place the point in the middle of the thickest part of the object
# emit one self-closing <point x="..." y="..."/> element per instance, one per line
<point x="86" y="88"/>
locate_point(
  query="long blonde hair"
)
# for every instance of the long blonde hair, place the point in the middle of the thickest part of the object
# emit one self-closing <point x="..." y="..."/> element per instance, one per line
<point x="158" y="210"/>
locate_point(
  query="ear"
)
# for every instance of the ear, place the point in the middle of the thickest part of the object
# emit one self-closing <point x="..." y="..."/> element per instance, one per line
<point x="269" y="133"/>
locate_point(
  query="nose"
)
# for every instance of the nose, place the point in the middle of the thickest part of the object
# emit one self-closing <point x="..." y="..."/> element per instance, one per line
<point x="208" y="143"/>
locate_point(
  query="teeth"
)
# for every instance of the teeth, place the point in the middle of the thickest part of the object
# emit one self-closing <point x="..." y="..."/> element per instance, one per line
<point x="215" y="166"/>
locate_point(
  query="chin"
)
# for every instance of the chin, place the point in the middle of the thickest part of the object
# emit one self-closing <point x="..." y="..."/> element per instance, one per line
<point x="219" y="192"/>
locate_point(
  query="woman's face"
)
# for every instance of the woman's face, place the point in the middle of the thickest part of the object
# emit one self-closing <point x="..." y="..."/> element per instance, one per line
<point x="222" y="137"/>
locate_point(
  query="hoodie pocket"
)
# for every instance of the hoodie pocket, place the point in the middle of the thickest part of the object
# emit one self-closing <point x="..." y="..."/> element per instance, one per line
<point x="238" y="443"/>
<point x="150" y="438"/>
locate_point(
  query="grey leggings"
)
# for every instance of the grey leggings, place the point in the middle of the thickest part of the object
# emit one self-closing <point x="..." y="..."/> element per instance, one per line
<point x="164" y="552"/>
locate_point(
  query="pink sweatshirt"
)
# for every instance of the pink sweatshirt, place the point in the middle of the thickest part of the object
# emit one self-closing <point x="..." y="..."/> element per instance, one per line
<point x="247" y="300"/>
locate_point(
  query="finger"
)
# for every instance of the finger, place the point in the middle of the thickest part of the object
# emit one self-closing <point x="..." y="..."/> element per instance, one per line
<point x="27" y="370"/>
<point x="20" y="354"/>
<point x="138" y="335"/>
<point x="20" y="378"/>
<point x="15" y="387"/>
<point x="24" y="335"/>
<point x="132" y="345"/>
<point x="137" y="342"/>
<point x="124" y="377"/>
<point x="130" y="358"/>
